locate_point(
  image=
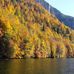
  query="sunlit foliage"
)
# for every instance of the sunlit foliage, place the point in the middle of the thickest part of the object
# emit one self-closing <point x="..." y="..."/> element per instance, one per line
<point x="28" y="30"/>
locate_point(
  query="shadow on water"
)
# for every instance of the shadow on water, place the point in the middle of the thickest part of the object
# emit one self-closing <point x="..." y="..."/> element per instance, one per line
<point x="37" y="66"/>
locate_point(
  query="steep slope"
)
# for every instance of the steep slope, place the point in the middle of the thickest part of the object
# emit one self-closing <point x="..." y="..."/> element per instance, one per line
<point x="28" y="30"/>
<point x="67" y="20"/>
<point x="43" y="3"/>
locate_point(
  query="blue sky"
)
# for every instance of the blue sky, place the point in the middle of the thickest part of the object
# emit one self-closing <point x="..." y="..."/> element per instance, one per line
<point x="65" y="6"/>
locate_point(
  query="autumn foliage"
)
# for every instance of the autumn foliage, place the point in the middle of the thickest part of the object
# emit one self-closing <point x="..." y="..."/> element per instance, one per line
<point x="28" y="30"/>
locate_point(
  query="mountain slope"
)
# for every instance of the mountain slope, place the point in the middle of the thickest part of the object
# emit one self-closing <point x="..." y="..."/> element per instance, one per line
<point x="28" y="30"/>
<point x="67" y="20"/>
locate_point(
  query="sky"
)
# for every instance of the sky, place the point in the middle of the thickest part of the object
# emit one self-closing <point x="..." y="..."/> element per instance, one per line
<point x="65" y="6"/>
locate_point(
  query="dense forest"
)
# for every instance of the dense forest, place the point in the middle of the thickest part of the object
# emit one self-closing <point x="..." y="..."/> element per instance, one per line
<point x="27" y="30"/>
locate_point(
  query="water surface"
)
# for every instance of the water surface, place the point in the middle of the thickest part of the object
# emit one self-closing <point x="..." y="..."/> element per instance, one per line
<point x="37" y="66"/>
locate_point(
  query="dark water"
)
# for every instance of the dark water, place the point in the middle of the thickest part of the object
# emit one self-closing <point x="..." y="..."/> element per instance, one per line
<point x="37" y="66"/>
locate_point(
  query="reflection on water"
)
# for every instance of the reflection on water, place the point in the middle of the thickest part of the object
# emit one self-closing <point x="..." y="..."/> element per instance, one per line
<point x="37" y="66"/>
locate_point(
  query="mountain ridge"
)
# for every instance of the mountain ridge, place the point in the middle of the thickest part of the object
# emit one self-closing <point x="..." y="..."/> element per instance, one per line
<point x="66" y="19"/>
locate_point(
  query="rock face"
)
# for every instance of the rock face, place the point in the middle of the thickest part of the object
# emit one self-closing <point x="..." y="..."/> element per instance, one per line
<point x="67" y="20"/>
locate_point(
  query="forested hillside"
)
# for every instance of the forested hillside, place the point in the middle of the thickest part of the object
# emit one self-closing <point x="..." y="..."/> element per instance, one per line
<point x="28" y="30"/>
<point x="66" y="19"/>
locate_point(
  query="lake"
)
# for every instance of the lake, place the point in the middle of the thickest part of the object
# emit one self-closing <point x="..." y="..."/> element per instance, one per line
<point x="37" y="66"/>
